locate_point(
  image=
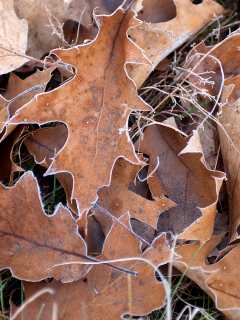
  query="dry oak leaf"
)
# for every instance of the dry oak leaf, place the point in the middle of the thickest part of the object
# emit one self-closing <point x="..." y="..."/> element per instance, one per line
<point x="15" y="87"/>
<point x="159" y="39"/>
<point x="179" y="174"/>
<point x="219" y="280"/>
<point x="33" y="243"/>
<point x="208" y="134"/>
<point x="104" y="293"/>
<point x="13" y="37"/>
<point x="117" y="199"/>
<point x="230" y="147"/>
<point x="42" y="15"/>
<point x="95" y="106"/>
<point x="225" y="282"/>
<point x="44" y="144"/>
<point x="219" y="63"/>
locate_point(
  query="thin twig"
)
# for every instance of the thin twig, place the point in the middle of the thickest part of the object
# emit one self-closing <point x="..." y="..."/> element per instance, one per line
<point x="96" y="206"/>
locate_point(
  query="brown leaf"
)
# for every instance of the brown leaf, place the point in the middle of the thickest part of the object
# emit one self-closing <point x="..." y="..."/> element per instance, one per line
<point x="219" y="280"/>
<point x="229" y="120"/>
<point x="177" y="172"/>
<point x="225" y="282"/>
<point x="33" y="243"/>
<point x="13" y="36"/>
<point x="210" y="143"/>
<point x="95" y="106"/>
<point x="117" y="199"/>
<point x="159" y="39"/>
<point x="104" y="293"/>
<point x="200" y="252"/>
<point x="193" y="257"/>
<point x="41" y="36"/>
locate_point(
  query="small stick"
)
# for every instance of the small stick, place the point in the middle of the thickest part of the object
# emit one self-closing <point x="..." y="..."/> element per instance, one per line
<point x="96" y="206"/>
<point x="132" y="273"/>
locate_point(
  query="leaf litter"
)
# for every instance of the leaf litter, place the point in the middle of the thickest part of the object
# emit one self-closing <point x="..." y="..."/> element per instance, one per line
<point x="139" y="194"/>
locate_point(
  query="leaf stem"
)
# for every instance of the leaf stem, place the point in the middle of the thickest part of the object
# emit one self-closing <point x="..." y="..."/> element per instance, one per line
<point x="25" y="92"/>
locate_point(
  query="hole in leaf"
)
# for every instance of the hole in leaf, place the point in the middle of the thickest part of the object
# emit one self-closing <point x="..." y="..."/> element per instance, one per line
<point x="158" y="11"/>
<point x="71" y="36"/>
<point x="238" y="230"/>
<point x="197" y="1"/>
<point x="55" y="135"/>
<point x="17" y="296"/>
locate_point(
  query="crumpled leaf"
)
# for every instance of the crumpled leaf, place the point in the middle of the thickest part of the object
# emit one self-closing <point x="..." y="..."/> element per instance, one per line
<point x="13" y="37"/>
<point x="230" y="146"/>
<point x="226" y="52"/>
<point x="40" y="38"/>
<point x="100" y="98"/>
<point x="104" y="293"/>
<point x="207" y="131"/>
<point x="210" y="143"/>
<point x="177" y="172"/>
<point x="15" y="87"/>
<point x="31" y="242"/>
<point x="159" y="39"/>
<point x="222" y="57"/>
